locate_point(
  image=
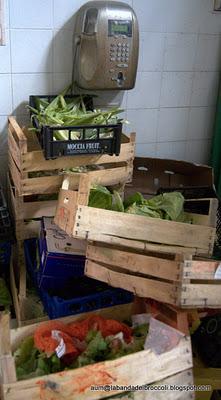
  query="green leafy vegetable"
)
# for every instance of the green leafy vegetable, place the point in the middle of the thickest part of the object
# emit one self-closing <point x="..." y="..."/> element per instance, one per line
<point x="117" y="203"/>
<point x="26" y="358"/>
<point x="100" y="197"/>
<point x="31" y="363"/>
<point x="72" y="112"/>
<point x="143" y="210"/>
<point x="134" y="198"/>
<point x="170" y="203"/>
<point x="96" y="347"/>
<point x="165" y="206"/>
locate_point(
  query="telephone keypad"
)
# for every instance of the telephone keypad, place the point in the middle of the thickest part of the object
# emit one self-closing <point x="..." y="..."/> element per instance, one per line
<point x="119" y="51"/>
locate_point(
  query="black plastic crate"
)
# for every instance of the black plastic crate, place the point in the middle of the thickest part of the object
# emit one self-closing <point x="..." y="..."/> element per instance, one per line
<point x="55" y="148"/>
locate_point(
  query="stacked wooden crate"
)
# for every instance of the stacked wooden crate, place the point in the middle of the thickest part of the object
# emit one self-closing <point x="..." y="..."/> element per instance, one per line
<point x="27" y="184"/>
<point x="150" y="257"/>
<point x="34" y="184"/>
<point x="162" y="260"/>
<point x="26" y="157"/>
<point x="172" y="365"/>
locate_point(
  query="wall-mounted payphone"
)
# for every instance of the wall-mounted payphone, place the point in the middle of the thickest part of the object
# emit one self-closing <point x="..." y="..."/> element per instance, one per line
<point x="106" y="45"/>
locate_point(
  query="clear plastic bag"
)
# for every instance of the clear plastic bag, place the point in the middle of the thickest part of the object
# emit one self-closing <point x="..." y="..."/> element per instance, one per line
<point x="162" y="337"/>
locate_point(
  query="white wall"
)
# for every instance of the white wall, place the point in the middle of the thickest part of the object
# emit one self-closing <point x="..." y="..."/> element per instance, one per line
<point x="172" y="106"/>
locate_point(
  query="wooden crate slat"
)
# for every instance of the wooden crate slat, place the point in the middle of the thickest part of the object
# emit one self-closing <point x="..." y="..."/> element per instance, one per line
<point x="180" y="281"/>
<point x="14" y="293"/>
<point x="205" y="269"/>
<point x="20" y="211"/>
<point x="37" y="209"/>
<point x="52" y="184"/>
<point x="15" y="173"/>
<point x="99" y="177"/>
<point x="32" y="209"/>
<point x="142" y="287"/>
<point x="64" y="216"/>
<point x="181" y="379"/>
<point x="201" y="295"/>
<point x="27" y="229"/>
<point x="43" y="185"/>
<point x="201" y="219"/>
<point x="133" y="244"/>
<point x="15" y="203"/>
<point x="135" y="263"/>
<point x="14" y="150"/>
<point x="35" y="161"/>
<point x="19" y="134"/>
<point x="132" y="227"/>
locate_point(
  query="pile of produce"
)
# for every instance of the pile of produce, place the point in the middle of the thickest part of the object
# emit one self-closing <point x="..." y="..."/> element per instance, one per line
<point x="72" y="111"/>
<point x="56" y="346"/>
<point x="165" y="206"/>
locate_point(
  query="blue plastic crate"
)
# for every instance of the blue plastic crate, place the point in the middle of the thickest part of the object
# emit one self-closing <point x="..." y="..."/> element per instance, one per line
<point x="30" y="249"/>
<point x="57" y="307"/>
<point x="59" y="254"/>
<point x="34" y="268"/>
<point x="102" y="295"/>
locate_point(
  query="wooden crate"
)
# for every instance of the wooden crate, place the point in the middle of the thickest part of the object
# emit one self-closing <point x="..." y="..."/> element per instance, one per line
<point x="148" y="234"/>
<point x="23" y="305"/>
<point x="178" y="280"/>
<point x="26" y="157"/>
<point x="27" y="213"/>
<point x="141" y="368"/>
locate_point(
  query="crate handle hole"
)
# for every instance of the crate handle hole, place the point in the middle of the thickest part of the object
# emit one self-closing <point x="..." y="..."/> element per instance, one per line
<point x="142" y="169"/>
<point x="66" y="200"/>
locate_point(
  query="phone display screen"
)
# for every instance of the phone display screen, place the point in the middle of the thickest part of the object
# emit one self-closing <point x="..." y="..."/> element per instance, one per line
<point x="119" y="27"/>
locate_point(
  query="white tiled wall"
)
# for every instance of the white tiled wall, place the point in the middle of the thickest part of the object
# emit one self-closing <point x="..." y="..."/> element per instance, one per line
<point x="173" y="104"/>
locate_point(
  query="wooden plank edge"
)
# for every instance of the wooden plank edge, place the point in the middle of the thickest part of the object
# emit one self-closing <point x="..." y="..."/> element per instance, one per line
<point x="141" y="287"/>
<point x="116" y="224"/>
<point x="135" y="263"/>
<point x="72" y="383"/>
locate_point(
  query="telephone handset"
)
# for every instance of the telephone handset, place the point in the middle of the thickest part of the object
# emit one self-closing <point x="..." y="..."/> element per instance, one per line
<point x="106" y="42"/>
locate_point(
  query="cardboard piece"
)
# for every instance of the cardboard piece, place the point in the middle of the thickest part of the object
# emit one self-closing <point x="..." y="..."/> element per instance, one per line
<point x="151" y="174"/>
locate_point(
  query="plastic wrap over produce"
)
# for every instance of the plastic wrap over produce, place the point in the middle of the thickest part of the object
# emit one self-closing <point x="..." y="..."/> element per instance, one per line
<point x="161" y="337"/>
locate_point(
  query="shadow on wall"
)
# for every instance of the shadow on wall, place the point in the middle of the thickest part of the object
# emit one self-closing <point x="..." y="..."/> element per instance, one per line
<point x="56" y="82"/>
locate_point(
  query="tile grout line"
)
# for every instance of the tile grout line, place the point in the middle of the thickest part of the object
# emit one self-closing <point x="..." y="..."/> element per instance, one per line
<point x="10" y="50"/>
<point x="191" y="93"/>
<point x="53" y="49"/>
<point x="161" y="84"/>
